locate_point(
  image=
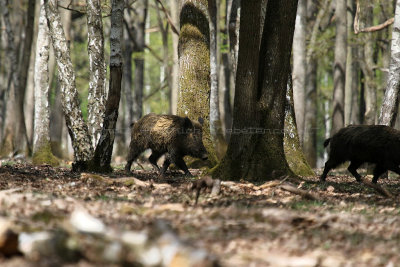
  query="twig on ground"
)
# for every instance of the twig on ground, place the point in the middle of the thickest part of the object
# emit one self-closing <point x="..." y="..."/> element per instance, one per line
<point x="307" y="195"/>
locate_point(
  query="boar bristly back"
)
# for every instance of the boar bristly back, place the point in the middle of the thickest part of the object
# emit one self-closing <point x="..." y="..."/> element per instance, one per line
<point x="166" y="134"/>
<point x="377" y="144"/>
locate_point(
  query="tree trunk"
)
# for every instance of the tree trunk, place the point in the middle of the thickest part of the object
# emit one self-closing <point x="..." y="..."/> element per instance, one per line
<point x="293" y="152"/>
<point x="314" y="20"/>
<point x="15" y="137"/>
<point x="41" y="145"/>
<point x="339" y="72"/>
<point x="138" y="49"/>
<point x="390" y="104"/>
<point x="368" y="68"/>
<point x="97" y="71"/>
<point x="77" y="128"/>
<point x="300" y="67"/>
<point x="255" y="151"/>
<point x="194" y="67"/>
<point x="102" y="156"/>
<point x="175" y="64"/>
<point x="216" y="133"/>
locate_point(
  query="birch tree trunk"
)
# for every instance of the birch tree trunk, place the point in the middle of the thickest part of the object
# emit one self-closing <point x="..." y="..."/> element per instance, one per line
<point x="339" y="71"/>
<point x="300" y="67"/>
<point x="97" y="70"/>
<point x="77" y="128"/>
<point x="41" y="142"/>
<point x="102" y="156"/>
<point x="390" y="104"/>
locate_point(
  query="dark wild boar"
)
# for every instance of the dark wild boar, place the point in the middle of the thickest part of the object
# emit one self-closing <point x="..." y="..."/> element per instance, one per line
<point x="166" y="134"/>
<point x="378" y="144"/>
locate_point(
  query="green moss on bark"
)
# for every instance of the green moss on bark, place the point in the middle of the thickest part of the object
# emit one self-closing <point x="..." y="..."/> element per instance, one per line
<point x="194" y="62"/>
<point x="43" y="155"/>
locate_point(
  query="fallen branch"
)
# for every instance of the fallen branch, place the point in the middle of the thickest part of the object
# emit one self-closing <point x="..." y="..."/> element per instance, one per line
<point x="303" y="193"/>
<point x="380" y="189"/>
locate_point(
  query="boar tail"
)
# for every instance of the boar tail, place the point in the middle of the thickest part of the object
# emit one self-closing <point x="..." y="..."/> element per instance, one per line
<point x="326" y="142"/>
<point x="131" y="125"/>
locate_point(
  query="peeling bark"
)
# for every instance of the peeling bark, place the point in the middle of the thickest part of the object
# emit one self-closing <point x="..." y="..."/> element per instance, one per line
<point x="102" y="156"/>
<point x="77" y="128"/>
<point x="41" y="140"/>
<point x="97" y="70"/>
<point x="390" y="103"/>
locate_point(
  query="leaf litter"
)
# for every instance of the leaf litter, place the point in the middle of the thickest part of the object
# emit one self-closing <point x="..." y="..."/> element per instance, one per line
<point x="51" y="217"/>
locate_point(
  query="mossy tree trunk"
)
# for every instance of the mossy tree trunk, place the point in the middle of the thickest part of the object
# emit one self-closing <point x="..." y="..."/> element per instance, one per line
<point x="291" y="144"/>
<point x="255" y="151"/>
<point x="41" y="141"/>
<point x="194" y="67"/>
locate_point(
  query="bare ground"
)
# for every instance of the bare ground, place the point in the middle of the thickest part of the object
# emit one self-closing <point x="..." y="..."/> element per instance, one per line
<point x="348" y="224"/>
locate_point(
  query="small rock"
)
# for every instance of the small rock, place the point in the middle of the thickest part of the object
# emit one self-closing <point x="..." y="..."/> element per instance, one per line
<point x="84" y="222"/>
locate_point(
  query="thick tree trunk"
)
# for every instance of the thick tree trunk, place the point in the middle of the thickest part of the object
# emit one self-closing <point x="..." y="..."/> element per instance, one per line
<point x="390" y="104"/>
<point x="255" y="151"/>
<point x="102" y="156"/>
<point x="300" y="67"/>
<point x="339" y="72"/>
<point x="77" y="128"/>
<point x="138" y="49"/>
<point x="194" y="67"/>
<point x="41" y="142"/>
<point x="97" y="88"/>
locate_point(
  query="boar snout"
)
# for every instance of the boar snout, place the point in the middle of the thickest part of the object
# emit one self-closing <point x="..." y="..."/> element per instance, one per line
<point x="204" y="157"/>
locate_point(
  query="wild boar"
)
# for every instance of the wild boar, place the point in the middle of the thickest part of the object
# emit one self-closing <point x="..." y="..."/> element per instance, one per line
<point x="378" y="144"/>
<point x="166" y="134"/>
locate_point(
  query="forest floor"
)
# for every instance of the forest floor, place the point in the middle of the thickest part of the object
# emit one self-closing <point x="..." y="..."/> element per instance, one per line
<point x="70" y="219"/>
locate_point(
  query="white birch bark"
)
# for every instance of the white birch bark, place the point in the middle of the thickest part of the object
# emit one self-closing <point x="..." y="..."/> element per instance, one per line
<point x="97" y="88"/>
<point x="77" y="128"/>
<point x="41" y="136"/>
<point x="391" y="99"/>
<point x="299" y="67"/>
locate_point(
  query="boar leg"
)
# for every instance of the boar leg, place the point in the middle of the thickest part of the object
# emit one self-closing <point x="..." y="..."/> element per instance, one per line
<point x="354" y="165"/>
<point x="330" y="164"/>
<point x="378" y="171"/>
<point x="182" y="165"/>
<point x="165" y="166"/>
<point x="132" y="155"/>
<point x="153" y="159"/>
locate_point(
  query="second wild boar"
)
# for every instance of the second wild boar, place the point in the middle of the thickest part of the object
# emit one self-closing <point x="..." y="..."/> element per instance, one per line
<point x="166" y="134"/>
<point x="378" y="144"/>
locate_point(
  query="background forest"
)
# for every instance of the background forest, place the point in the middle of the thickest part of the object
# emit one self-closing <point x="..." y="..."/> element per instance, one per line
<point x="267" y="81"/>
<point x="150" y="68"/>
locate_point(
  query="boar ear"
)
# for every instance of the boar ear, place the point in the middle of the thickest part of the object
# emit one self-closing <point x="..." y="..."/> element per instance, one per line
<point x="201" y="121"/>
<point x="187" y="123"/>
